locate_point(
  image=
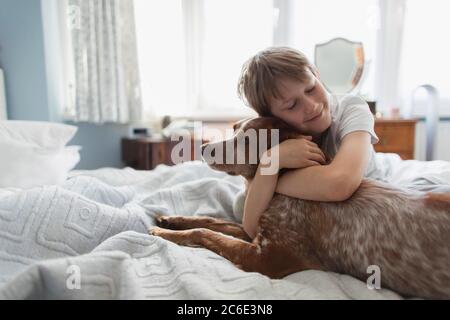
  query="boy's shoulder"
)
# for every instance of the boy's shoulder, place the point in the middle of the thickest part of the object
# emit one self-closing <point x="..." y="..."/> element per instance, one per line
<point x="349" y="99"/>
<point x="348" y="111"/>
<point x="342" y="105"/>
<point x="351" y="113"/>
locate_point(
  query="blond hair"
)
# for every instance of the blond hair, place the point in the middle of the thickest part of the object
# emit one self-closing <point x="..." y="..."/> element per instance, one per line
<point x="258" y="80"/>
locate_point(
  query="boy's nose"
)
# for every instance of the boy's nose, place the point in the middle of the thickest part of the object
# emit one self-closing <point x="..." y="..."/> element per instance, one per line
<point x="310" y="107"/>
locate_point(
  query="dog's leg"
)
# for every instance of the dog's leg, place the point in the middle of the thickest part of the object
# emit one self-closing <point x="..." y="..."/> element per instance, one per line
<point x="245" y="255"/>
<point x="192" y="222"/>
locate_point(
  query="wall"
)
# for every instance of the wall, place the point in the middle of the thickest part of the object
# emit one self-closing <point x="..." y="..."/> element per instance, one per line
<point x="100" y="145"/>
<point x="30" y="60"/>
<point x="22" y="59"/>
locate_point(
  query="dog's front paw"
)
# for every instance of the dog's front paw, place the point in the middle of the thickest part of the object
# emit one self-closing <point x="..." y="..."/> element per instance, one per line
<point x="162" y="221"/>
<point x="173" y="222"/>
<point x="155" y="231"/>
<point x="184" y="238"/>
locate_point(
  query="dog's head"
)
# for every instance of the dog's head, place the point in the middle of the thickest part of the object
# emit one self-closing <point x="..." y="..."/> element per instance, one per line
<point x="240" y="154"/>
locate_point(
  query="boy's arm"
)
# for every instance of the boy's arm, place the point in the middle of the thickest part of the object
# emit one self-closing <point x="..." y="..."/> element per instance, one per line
<point x="259" y="193"/>
<point x="334" y="182"/>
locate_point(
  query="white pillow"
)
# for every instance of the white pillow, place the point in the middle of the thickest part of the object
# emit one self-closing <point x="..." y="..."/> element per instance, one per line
<point x="34" y="154"/>
<point x="44" y="134"/>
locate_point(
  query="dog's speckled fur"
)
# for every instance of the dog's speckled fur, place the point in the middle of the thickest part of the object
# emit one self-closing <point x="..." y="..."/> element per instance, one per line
<point x="405" y="233"/>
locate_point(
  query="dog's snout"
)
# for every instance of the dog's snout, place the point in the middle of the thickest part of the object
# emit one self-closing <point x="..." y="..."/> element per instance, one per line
<point x="212" y="151"/>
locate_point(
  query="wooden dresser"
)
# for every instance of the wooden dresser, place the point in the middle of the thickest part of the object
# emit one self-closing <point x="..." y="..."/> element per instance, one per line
<point x="396" y="136"/>
<point x="147" y="153"/>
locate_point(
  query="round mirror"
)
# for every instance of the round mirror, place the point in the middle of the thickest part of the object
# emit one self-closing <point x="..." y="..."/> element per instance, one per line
<point x="340" y="63"/>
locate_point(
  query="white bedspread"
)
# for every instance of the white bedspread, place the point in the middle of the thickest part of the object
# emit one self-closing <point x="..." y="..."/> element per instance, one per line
<point x="95" y="226"/>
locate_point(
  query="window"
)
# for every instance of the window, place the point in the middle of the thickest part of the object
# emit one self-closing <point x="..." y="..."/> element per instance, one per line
<point x="161" y="56"/>
<point x="425" y="51"/>
<point x="234" y="30"/>
<point x="318" y="21"/>
<point x="191" y="53"/>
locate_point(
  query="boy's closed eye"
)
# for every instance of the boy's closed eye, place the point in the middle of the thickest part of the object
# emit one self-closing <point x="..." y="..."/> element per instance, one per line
<point x="293" y="105"/>
<point x="311" y="90"/>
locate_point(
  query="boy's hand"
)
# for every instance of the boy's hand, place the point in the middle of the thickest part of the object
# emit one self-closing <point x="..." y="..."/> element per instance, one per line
<point x="299" y="153"/>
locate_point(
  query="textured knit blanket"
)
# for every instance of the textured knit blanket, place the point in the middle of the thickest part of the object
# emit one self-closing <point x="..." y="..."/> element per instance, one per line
<point x="87" y="239"/>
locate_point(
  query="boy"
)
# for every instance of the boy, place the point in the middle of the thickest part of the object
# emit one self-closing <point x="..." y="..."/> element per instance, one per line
<point x="281" y="82"/>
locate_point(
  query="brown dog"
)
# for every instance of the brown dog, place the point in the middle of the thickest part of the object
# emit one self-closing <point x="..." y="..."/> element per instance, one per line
<point x="406" y="234"/>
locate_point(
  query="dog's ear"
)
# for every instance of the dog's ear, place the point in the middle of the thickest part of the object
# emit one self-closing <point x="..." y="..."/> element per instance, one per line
<point x="239" y="123"/>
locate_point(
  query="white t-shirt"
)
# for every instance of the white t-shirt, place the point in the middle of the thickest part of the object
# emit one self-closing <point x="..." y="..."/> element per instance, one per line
<point x="349" y="114"/>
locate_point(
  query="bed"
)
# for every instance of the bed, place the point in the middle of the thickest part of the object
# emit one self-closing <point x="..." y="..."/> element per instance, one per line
<point x="73" y="234"/>
<point x="87" y="239"/>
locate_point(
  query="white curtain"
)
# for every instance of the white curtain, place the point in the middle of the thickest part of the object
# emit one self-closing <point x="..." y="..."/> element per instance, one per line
<point x="105" y="77"/>
<point x="389" y="45"/>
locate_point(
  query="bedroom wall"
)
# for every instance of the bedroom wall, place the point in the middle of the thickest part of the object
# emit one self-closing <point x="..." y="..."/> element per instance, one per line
<point x="22" y="59"/>
<point x="100" y="145"/>
<point x="32" y="84"/>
